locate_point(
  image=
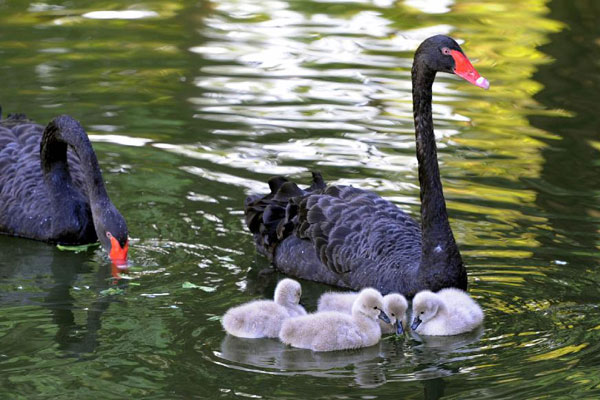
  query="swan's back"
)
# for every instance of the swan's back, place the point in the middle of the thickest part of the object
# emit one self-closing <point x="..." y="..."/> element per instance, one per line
<point x="338" y="235"/>
<point x="461" y="307"/>
<point x="324" y="331"/>
<point x="19" y="155"/>
<point x="335" y="301"/>
<point x="256" y="319"/>
<point x="25" y="208"/>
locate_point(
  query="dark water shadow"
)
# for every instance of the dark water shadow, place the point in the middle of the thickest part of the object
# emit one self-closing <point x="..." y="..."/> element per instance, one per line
<point x="570" y="172"/>
<point x="51" y="276"/>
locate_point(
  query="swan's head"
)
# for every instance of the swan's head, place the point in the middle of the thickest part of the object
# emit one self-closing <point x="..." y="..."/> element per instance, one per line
<point x="442" y="53"/>
<point x="112" y="233"/>
<point x="395" y="306"/>
<point x="426" y="305"/>
<point x="370" y="303"/>
<point x="287" y="292"/>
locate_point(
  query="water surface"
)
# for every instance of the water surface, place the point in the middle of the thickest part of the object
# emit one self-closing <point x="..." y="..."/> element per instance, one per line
<point x="193" y="105"/>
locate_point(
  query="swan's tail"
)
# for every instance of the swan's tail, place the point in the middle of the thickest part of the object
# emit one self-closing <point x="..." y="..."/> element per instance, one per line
<point x="272" y="217"/>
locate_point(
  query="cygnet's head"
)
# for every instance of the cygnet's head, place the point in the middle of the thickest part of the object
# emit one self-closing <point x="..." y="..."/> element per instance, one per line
<point x="395" y="306"/>
<point x="287" y="292"/>
<point x="426" y="305"/>
<point x="370" y="303"/>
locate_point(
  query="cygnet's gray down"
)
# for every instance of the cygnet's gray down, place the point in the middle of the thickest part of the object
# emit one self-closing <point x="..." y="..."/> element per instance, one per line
<point x="448" y="312"/>
<point x="263" y="318"/>
<point x="394" y="305"/>
<point x="333" y="330"/>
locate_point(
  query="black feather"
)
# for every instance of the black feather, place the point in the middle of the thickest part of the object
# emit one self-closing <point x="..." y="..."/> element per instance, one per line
<point x="48" y="176"/>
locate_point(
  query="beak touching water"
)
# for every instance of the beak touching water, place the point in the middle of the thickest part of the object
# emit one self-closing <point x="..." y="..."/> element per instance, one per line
<point x="118" y="254"/>
<point x="383" y="316"/>
<point x="465" y="70"/>
<point x="416" y="323"/>
<point x="399" y="327"/>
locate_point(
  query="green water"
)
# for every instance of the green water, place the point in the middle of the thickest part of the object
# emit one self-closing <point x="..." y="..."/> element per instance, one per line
<point x="192" y="105"/>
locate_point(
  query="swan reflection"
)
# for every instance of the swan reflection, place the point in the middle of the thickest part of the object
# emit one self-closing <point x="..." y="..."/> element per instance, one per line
<point x="447" y="344"/>
<point x="37" y="276"/>
<point x="398" y="356"/>
<point x="364" y="365"/>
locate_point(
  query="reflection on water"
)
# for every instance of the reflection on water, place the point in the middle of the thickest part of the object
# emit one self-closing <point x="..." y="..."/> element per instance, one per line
<point x="272" y="356"/>
<point x="573" y="149"/>
<point x="370" y="366"/>
<point x="52" y="280"/>
<point x="193" y="105"/>
<point x="129" y="14"/>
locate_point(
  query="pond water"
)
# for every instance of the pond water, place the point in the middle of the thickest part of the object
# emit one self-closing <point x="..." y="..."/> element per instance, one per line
<point x="193" y="105"/>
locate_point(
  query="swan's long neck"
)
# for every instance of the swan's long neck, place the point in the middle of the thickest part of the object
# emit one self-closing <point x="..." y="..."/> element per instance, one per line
<point x="61" y="133"/>
<point x="439" y="250"/>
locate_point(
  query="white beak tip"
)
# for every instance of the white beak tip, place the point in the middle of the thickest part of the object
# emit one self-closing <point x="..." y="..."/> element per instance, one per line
<point x="482" y="83"/>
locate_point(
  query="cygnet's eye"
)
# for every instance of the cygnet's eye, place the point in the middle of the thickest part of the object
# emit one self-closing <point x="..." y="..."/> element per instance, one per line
<point x="375" y="308"/>
<point x="108" y="235"/>
<point x="446" y="51"/>
<point x="393" y="315"/>
<point x="422" y="312"/>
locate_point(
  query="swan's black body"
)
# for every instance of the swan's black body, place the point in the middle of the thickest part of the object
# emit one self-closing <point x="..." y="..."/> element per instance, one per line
<point x="51" y="187"/>
<point x="353" y="238"/>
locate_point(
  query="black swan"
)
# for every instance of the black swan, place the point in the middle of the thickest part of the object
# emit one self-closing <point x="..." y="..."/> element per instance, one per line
<point x="51" y="187"/>
<point x="352" y="238"/>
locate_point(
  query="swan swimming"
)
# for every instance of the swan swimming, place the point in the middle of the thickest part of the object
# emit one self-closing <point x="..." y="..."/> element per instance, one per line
<point x="394" y="305"/>
<point x="353" y="238"/>
<point x="263" y="318"/>
<point x="448" y="312"/>
<point x="333" y="330"/>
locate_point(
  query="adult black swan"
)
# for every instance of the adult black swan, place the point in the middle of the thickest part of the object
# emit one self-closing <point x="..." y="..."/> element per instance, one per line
<point x="51" y="187"/>
<point x="348" y="237"/>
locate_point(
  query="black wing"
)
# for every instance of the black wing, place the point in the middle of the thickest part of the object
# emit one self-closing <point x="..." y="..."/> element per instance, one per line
<point x="25" y="208"/>
<point x="348" y="227"/>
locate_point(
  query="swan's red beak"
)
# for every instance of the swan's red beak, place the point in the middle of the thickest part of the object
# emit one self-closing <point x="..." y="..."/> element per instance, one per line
<point x="465" y="70"/>
<point x="118" y="254"/>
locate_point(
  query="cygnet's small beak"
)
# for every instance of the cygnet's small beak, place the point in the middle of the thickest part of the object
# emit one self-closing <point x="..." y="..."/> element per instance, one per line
<point x="399" y="327"/>
<point x="416" y="322"/>
<point x="383" y="316"/>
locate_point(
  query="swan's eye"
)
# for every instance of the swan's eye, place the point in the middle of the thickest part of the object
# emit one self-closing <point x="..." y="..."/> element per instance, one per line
<point x="422" y="312"/>
<point x="446" y="51"/>
<point x="375" y="308"/>
<point x="393" y="315"/>
<point x="108" y="235"/>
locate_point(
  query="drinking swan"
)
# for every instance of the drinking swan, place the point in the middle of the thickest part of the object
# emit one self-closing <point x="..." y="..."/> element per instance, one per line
<point x="51" y="187"/>
<point x="394" y="305"/>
